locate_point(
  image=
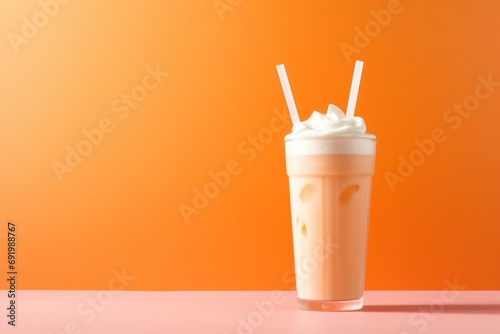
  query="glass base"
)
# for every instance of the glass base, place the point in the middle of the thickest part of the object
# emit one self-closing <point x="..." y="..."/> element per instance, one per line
<point x="330" y="305"/>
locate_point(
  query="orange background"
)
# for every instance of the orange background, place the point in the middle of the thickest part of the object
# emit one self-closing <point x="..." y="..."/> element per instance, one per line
<point x="119" y="209"/>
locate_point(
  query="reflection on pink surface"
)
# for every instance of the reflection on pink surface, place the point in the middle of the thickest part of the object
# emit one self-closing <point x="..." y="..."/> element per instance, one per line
<point x="248" y="312"/>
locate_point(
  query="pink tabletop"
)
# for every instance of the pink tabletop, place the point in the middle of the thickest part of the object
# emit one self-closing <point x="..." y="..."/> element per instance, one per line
<point x="248" y="312"/>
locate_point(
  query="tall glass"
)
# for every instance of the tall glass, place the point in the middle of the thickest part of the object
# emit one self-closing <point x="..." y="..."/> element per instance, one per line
<point x="330" y="189"/>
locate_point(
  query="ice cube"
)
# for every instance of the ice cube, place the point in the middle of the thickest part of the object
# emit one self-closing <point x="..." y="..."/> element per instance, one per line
<point x="306" y="193"/>
<point x="348" y="192"/>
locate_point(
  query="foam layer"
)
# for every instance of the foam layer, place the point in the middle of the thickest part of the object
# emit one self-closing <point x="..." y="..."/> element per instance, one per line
<point x="362" y="144"/>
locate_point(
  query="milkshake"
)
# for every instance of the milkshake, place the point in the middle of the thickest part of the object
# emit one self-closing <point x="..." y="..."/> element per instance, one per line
<point x="330" y="161"/>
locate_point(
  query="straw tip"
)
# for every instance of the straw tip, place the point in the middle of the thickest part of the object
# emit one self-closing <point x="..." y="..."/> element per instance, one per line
<point x="353" y="96"/>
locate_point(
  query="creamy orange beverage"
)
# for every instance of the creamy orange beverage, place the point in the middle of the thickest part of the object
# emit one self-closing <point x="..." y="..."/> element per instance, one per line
<point x="330" y="161"/>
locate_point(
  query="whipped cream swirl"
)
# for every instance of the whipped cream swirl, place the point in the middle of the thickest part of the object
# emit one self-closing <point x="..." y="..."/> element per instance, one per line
<point x="333" y="123"/>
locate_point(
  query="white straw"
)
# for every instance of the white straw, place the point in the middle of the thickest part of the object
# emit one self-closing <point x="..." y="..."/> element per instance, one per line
<point x="353" y="96"/>
<point x="285" y="85"/>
